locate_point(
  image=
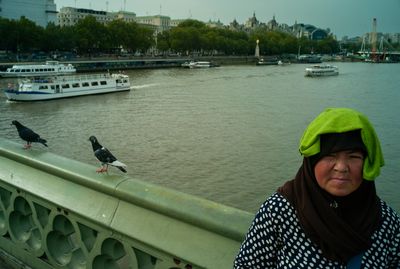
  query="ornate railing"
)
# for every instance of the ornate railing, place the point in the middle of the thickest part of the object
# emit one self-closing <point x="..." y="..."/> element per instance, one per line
<point x="58" y="213"/>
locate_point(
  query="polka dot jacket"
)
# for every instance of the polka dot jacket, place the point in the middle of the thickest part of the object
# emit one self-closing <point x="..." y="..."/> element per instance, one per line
<point x="276" y="240"/>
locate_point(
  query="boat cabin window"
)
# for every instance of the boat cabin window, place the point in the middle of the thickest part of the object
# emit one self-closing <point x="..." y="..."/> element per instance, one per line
<point x="43" y="87"/>
<point x="119" y="81"/>
<point x="95" y="83"/>
<point x="65" y="86"/>
<point x="75" y="85"/>
<point x="85" y="84"/>
<point x="125" y="81"/>
<point x="103" y="82"/>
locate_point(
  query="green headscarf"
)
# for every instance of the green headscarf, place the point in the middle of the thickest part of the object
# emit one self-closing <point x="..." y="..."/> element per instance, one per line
<point x="340" y="120"/>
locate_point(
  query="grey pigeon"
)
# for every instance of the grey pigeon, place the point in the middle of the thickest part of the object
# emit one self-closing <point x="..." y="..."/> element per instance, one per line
<point x="28" y="135"/>
<point x="105" y="157"/>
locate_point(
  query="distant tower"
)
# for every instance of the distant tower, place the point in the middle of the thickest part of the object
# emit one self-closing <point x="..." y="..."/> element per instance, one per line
<point x="107" y="6"/>
<point x="373" y="37"/>
<point x="257" y="52"/>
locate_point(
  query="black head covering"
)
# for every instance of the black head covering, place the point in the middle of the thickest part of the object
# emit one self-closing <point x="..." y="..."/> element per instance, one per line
<point x="340" y="226"/>
<point x="334" y="142"/>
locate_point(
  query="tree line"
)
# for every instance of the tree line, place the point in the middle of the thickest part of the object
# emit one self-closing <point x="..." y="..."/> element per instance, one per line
<point x="191" y="36"/>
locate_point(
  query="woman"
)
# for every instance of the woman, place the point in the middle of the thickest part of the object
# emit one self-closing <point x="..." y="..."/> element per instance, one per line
<point x="329" y="215"/>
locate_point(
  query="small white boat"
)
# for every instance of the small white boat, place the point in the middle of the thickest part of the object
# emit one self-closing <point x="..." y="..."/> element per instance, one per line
<point x="270" y="61"/>
<point x="321" y="70"/>
<point x="201" y="64"/>
<point x="49" y="68"/>
<point x="38" y="89"/>
<point x="185" y="64"/>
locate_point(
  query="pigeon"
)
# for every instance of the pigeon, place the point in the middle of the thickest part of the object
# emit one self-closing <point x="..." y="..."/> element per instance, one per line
<point x="105" y="157"/>
<point x="28" y="135"/>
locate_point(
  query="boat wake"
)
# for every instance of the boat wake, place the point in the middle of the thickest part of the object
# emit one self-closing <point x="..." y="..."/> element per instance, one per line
<point x="144" y="86"/>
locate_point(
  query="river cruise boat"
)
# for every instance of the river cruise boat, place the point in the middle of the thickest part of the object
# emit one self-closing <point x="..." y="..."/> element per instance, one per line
<point x="38" y="89"/>
<point x="49" y="68"/>
<point x="199" y="64"/>
<point x="321" y="71"/>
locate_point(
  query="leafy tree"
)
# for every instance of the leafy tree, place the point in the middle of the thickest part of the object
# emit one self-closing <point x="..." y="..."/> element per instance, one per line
<point x="28" y="35"/>
<point x="145" y="38"/>
<point x="192" y="23"/>
<point x="92" y="35"/>
<point x="119" y="33"/>
<point x="50" y="40"/>
<point x="8" y="29"/>
<point x="164" y="41"/>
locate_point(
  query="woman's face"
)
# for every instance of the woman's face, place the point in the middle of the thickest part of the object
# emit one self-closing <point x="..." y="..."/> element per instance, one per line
<point x="340" y="173"/>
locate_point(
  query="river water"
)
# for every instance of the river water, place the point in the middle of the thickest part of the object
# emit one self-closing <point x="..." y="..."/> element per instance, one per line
<point x="228" y="134"/>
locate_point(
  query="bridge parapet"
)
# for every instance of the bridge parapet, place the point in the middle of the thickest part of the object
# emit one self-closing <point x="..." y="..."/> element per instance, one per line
<point x="58" y="213"/>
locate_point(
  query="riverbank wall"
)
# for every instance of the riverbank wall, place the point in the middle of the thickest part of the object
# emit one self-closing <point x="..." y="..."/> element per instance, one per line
<point x="106" y="63"/>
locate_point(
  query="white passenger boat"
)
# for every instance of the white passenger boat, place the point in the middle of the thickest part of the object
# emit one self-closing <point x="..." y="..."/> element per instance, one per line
<point x="37" y="89"/>
<point x="49" y="68"/>
<point x="321" y="70"/>
<point x="201" y="64"/>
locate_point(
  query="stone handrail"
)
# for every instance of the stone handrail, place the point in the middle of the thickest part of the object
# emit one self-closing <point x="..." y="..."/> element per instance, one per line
<point x="59" y="213"/>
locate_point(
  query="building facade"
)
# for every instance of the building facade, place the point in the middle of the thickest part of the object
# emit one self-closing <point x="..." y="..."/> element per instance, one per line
<point x="160" y="22"/>
<point x="69" y="16"/>
<point x="41" y="12"/>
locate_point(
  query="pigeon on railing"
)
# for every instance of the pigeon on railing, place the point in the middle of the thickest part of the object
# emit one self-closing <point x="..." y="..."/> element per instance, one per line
<point x="28" y="135"/>
<point x="105" y="157"/>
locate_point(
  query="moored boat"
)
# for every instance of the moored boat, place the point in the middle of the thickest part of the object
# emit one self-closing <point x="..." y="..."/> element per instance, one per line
<point x="202" y="64"/>
<point x="49" y="68"/>
<point x="185" y="64"/>
<point x="267" y="61"/>
<point x="48" y="88"/>
<point x="321" y="70"/>
<point x="309" y="59"/>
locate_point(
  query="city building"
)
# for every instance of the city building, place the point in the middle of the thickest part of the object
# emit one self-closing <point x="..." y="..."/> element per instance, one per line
<point x="215" y="24"/>
<point x="41" y="12"/>
<point x="309" y="31"/>
<point x="176" y="22"/>
<point x="159" y="22"/>
<point x="69" y="16"/>
<point x="252" y="22"/>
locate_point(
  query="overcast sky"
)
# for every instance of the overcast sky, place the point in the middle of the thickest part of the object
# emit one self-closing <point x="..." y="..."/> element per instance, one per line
<point x="343" y="17"/>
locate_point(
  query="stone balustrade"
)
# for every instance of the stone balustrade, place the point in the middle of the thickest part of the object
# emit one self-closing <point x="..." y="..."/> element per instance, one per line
<point x="59" y="213"/>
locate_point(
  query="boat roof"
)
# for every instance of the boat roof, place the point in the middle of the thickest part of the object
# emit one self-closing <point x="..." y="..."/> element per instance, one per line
<point x="47" y="64"/>
<point x="73" y="78"/>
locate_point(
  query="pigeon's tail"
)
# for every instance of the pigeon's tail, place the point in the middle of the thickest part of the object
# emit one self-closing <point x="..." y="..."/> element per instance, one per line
<point x="119" y="165"/>
<point x="43" y="141"/>
<point x="122" y="169"/>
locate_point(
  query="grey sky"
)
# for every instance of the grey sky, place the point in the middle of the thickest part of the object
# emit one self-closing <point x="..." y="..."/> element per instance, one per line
<point x="343" y="17"/>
